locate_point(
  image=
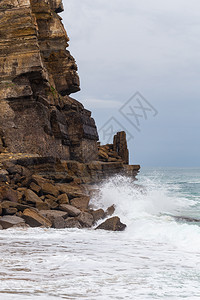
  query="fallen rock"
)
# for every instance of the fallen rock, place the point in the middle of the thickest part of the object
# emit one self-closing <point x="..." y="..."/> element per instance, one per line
<point x="7" y="193"/>
<point x="58" y="223"/>
<point x="63" y="199"/>
<point x="35" y="219"/>
<point x="34" y="187"/>
<point x="112" y="224"/>
<point x="14" y="169"/>
<point x="10" y="204"/>
<point x="10" y="221"/>
<point x="1" y="228"/>
<point x="72" y="223"/>
<point x="42" y="205"/>
<point x="110" y="210"/>
<point x="20" y="195"/>
<point x="46" y="186"/>
<point x="98" y="214"/>
<point x="31" y="197"/>
<point x="53" y="214"/>
<point x="3" y="175"/>
<point x="71" y="210"/>
<point x="81" y="203"/>
<point x="85" y="219"/>
<point x="10" y="211"/>
<point x="51" y="203"/>
<point x="72" y="190"/>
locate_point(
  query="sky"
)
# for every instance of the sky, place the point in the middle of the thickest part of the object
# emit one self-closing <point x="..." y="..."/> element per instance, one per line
<point x="139" y="66"/>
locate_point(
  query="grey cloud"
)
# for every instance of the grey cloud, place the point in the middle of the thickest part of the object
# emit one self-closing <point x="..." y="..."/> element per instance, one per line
<point x="122" y="46"/>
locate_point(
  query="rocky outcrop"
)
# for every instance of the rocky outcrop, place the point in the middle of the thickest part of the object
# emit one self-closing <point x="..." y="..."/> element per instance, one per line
<point x="37" y="75"/>
<point x="116" y="152"/>
<point x="50" y="157"/>
<point x="47" y="192"/>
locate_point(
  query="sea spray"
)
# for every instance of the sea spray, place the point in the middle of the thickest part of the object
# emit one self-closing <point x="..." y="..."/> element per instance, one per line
<point x="148" y="208"/>
<point x="156" y="257"/>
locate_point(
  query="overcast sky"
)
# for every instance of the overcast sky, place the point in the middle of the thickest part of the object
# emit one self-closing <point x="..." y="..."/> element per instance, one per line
<point x="153" y="47"/>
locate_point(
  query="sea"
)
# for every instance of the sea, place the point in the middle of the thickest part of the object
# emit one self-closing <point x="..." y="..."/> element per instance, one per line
<point x="156" y="257"/>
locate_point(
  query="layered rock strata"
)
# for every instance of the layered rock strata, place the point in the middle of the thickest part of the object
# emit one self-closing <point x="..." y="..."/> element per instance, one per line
<point x="48" y="192"/>
<point x="116" y="152"/>
<point x="50" y="158"/>
<point x="37" y="75"/>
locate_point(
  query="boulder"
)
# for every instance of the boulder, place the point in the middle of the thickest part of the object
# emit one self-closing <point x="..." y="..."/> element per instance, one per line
<point x="51" y="203"/>
<point x="72" y="223"/>
<point x="20" y="195"/>
<point x="42" y="205"/>
<point x="10" y="204"/>
<point x="7" y="193"/>
<point x="85" y="219"/>
<point x="72" y="190"/>
<point x="53" y="214"/>
<point x="48" y="188"/>
<point x="31" y="197"/>
<point x="81" y="203"/>
<point x="98" y="214"/>
<point x="35" y="219"/>
<point x="46" y="185"/>
<point x="35" y="188"/>
<point x="63" y="199"/>
<point x="3" y="175"/>
<point x="10" y="221"/>
<point x="112" y="224"/>
<point x="71" y="210"/>
<point x="1" y="228"/>
<point x="59" y="223"/>
<point x="9" y="211"/>
<point x="14" y="169"/>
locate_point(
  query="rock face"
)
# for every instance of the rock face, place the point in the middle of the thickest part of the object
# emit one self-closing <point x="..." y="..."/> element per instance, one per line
<point x="116" y="152"/>
<point x="37" y="75"/>
<point x="50" y="157"/>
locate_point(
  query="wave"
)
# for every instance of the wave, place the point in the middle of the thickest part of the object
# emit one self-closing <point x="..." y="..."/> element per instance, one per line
<point x="149" y="209"/>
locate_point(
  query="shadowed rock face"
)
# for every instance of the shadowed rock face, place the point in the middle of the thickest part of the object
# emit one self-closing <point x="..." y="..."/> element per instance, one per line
<point x="37" y="75"/>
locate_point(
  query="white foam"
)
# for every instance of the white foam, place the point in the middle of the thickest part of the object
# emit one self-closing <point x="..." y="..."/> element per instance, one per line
<point x="148" y="211"/>
<point x="154" y="258"/>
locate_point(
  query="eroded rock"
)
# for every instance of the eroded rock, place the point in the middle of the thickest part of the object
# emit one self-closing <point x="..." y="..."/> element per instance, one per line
<point x="72" y="223"/>
<point x="98" y="214"/>
<point x="63" y="199"/>
<point x="112" y="224"/>
<point x="85" y="219"/>
<point x="81" y="202"/>
<point x="35" y="219"/>
<point x="7" y="193"/>
<point x="10" y="221"/>
<point x="71" y="210"/>
<point x="31" y="197"/>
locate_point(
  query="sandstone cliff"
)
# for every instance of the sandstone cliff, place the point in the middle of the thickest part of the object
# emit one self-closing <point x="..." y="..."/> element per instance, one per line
<point x="50" y="157"/>
<point x="37" y="75"/>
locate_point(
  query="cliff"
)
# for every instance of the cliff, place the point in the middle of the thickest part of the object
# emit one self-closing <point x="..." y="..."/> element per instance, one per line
<point x="49" y="150"/>
<point x="37" y="75"/>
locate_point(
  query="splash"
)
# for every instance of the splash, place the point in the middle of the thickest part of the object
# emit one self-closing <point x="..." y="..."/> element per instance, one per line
<point x="148" y="208"/>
